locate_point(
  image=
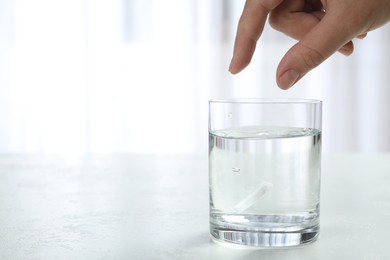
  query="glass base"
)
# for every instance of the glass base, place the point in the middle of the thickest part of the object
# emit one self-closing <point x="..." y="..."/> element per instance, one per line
<point x="282" y="231"/>
<point x="266" y="239"/>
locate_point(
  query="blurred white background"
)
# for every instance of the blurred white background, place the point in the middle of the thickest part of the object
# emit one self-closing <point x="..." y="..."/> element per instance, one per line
<point x="113" y="76"/>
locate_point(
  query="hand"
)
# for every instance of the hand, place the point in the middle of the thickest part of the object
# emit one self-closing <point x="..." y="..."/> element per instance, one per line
<point x="321" y="26"/>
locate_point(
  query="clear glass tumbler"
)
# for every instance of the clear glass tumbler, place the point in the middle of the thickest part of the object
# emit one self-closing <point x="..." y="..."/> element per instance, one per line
<point x="264" y="171"/>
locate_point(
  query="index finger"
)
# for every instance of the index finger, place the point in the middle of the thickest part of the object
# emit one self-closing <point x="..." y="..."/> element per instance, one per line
<point x="249" y="29"/>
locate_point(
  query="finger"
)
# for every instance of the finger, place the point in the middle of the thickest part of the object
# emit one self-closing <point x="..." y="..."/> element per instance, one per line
<point x="362" y="36"/>
<point x="290" y="19"/>
<point x="313" y="5"/>
<point x="249" y="29"/>
<point x="347" y="49"/>
<point x="316" y="46"/>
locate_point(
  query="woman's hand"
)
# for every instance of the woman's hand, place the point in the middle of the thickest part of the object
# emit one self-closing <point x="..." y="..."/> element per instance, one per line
<point x="321" y="26"/>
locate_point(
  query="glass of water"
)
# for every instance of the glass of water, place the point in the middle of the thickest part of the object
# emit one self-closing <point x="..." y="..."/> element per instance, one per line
<point x="264" y="171"/>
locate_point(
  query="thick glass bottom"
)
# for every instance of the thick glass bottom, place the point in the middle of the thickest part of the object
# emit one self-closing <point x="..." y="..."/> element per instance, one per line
<point x="264" y="231"/>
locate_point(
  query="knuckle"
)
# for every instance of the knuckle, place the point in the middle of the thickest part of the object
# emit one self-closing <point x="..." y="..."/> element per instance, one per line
<point x="277" y="20"/>
<point x="310" y="57"/>
<point x="274" y="21"/>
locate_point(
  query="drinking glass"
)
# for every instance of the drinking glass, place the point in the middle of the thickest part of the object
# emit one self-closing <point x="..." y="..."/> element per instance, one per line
<point x="264" y="171"/>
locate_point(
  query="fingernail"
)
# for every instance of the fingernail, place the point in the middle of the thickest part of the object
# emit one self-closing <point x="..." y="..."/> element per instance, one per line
<point x="230" y="67"/>
<point x="345" y="51"/>
<point x="288" y="79"/>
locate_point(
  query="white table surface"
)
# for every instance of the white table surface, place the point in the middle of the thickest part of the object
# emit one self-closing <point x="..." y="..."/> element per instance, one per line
<point x="156" y="207"/>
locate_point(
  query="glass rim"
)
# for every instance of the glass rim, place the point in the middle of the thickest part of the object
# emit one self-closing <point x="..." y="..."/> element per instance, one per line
<point x="266" y="101"/>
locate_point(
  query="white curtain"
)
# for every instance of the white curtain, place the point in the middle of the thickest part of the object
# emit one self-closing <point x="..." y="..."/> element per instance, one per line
<point x="112" y="76"/>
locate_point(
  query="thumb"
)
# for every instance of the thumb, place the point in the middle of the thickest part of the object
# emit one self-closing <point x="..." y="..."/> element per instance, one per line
<point x="316" y="46"/>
